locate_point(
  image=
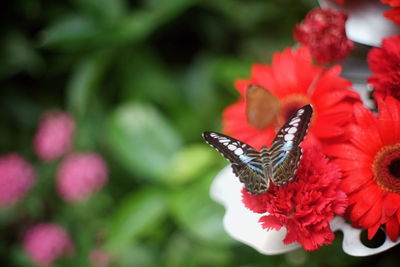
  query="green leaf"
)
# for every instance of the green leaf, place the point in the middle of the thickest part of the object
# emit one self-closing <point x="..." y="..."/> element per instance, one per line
<point x="201" y="93"/>
<point x="18" y="54"/>
<point x="198" y="214"/>
<point x="138" y="214"/>
<point x="19" y="256"/>
<point x="190" y="163"/>
<point x="70" y="32"/>
<point x="177" y="250"/>
<point x="77" y="31"/>
<point x="229" y="69"/>
<point x="182" y="251"/>
<point x="138" y="255"/>
<point x="207" y="255"/>
<point x="154" y="82"/>
<point x="85" y="80"/>
<point x="141" y="139"/>
<point x="103" y="10"/>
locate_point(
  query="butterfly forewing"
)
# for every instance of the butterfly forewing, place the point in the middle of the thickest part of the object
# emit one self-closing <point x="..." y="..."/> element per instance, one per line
<point x="295" y="128"/>
<point x="285" y="153"/>
<point x="245" y="160"/>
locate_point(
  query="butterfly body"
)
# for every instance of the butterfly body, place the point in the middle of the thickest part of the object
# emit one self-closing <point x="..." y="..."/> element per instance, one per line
<point x="278" y="164"/>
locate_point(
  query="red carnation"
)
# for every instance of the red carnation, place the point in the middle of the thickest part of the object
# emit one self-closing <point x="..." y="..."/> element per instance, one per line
<point x="384" y="62"/>
<point x="323" y="30"/>
<point x="393" y="13"/>
<point x="371" y="168"/>
<point x="306" y="205"/>
<point x="291" y="82"/>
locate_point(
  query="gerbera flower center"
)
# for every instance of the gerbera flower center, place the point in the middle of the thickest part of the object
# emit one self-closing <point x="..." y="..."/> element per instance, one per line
<point x="386" y="168"/>
<point x="394" y="168"/>
<point x="289" y="105"/>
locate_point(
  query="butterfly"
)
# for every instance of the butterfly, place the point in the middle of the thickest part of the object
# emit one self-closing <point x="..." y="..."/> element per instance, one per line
<point x="277" y="164"/>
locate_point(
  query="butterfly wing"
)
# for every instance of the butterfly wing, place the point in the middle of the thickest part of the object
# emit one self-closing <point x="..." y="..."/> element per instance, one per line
<point x="245" y="160"/>
<point x="261" y="106"/>
<point x="285" y="152"/>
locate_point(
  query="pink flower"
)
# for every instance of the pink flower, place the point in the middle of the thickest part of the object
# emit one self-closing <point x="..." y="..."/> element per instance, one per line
<point x="54" y="135"/>
<point x="306" y="205"/>
<point x="80" y="175"/>
<point x="46" y="242"/>
<point x="16" y="178"/>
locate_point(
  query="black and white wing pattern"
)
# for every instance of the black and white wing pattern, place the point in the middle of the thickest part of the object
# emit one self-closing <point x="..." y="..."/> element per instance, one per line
<point x="279" y="163"/>
<point x="284" y="155"/>
<point x="246" y="161"/>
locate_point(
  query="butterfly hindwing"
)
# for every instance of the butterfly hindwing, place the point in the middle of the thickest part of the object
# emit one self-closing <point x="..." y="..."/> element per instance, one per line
<point x="285" y="152"/>
<point x="245" y="160"/>
<point x="284" y="172"/>
<point x="253" y="181"/>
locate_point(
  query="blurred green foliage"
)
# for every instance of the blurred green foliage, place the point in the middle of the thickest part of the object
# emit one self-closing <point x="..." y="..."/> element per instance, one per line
<point x="143" y="79"/>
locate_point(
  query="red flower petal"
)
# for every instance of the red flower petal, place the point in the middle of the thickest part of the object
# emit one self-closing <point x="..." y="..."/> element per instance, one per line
<point x="393" y="14"/>
<point x="372" y="230"/>
<point x="364" y="117"/>
<point x="393" y="3"/>
<point x="392" y="228"/>
<point x="384" y="64"/>
<point x="365" y="213"/>
<point x="390" y="205"/>
<point x="270" y="222"/>
<point x="348" y="152"/>
<point x="368" y="142"/>
<point x="372" y="216"/>
<point x="356" y="179"/>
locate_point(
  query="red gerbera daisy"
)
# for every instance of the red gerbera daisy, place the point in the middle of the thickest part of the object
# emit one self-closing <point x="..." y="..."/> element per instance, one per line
<point x="371" y="166"/>
<point x="306" y="205"/>
<point x="323" y="30"/>
<point x="291" y="82"/>
<point x="393" y="13"/>
<point x="384" y="62"/>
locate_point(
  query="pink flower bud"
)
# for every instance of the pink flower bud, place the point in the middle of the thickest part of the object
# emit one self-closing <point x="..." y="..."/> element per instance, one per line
<point x="54" y="135"/>
<point x="46" y="242"/>
<point x="80" y="175"/>
<point x="16" y="178"/>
